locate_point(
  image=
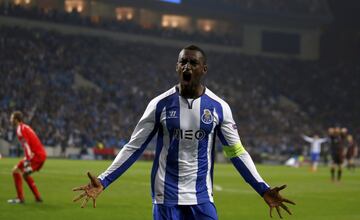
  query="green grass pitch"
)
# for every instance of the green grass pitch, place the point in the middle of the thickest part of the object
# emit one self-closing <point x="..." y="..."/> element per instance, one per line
<point x="129" y="197"/>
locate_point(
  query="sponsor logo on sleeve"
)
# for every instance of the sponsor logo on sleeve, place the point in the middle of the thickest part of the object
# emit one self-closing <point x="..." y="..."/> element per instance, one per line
<point x="234" y="126"/>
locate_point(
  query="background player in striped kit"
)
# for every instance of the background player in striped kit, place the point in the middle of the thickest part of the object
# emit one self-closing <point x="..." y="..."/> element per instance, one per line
<point x="186" y="118"/>
<point x="315" y="149"/>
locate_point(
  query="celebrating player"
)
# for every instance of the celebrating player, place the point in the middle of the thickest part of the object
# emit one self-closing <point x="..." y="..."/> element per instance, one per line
<point x="315" y="149"/>
<point x="186" y="119"/>
<point x="34" y="159"/>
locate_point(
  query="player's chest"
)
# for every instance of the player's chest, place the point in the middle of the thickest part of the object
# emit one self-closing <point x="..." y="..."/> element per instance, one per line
<point x="21" y="139"/>
<point x="193" y="118"/>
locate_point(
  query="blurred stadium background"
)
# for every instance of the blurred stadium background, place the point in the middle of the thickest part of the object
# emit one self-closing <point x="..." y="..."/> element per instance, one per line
<point x="84" y="70"/>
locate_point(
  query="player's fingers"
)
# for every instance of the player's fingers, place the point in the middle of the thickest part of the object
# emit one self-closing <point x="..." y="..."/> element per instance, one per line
<point x="84" y="202"/>
<point x="79" y="188"/>
<point x="77" y="198"/>
<point x="288" y="201"/>
<point x="278" y="211"/>
<point x="271" y="209"/>
<point x="94" y="203"/>
<point x="286" y="208"/>
<point x="93" y="179"/>
<point x="281" y="187"/>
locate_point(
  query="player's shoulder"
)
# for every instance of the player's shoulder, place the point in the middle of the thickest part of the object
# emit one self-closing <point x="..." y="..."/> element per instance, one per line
<point x="26" y="127"/>
<point x="162" y="96"/>
<point x="21" y="128"/>
<point x="216" y="98"/>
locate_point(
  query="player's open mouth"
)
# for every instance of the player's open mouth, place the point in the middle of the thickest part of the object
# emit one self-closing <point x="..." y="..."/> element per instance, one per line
<point x="186" y="77"/>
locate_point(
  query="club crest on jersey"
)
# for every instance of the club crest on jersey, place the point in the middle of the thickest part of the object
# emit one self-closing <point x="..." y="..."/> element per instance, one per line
<point x="207" y="117"/>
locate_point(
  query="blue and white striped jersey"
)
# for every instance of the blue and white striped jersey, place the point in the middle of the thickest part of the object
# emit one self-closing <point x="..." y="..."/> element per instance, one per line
<point x="182" y="171"/>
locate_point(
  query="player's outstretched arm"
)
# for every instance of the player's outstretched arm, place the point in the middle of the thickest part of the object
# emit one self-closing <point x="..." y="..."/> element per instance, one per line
<point x="307" y="138"/>
<point x="91" y="191"/>
<point x="273" y="198"/>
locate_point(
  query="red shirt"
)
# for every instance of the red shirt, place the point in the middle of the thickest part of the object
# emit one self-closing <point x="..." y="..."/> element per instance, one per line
<point x="30" y="142"/>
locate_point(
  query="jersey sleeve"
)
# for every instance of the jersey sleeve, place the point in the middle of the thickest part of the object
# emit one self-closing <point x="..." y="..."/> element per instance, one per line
<point x="307" y="139"/>
<point x="140" y="138"/>
<point x="234" y="150"/>
<point x="323" y="140"/>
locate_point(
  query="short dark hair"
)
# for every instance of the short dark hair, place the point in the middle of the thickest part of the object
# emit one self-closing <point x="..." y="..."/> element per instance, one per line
<point x="194" y="47"/>
<point x="18" y="115"/>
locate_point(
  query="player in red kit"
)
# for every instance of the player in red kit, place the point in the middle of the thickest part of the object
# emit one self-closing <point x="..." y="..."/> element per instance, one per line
<point x="34" y="159"/>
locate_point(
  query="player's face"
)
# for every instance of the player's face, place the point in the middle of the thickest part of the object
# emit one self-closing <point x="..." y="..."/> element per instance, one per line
<point x="337" y="130"/>
<point x="191" y="68"/>
<point x="12" y="120"/>
<point x="331" y="131"/>
<point x="344" y="130"/>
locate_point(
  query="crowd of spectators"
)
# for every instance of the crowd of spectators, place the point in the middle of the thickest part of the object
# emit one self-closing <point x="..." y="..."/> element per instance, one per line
<point x="80" y="90"/>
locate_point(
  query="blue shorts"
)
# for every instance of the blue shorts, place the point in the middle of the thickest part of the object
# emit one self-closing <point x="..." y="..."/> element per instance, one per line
<point x="315" y="157"/>
<point x="204" y="211"/>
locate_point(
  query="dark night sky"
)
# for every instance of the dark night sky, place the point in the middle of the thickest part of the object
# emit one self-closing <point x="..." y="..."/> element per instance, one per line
<point x="341" y="39"/>
<point x="346" y="13"/>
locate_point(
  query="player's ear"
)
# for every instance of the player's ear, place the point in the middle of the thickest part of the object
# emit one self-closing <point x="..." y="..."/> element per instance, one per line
<point x="205" y="69"/>
<point x="177" y="66"/>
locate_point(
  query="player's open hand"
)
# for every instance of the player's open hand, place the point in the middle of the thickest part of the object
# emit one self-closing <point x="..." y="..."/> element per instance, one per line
<point x="273" y="198"/>
<point x="91" y="191"/>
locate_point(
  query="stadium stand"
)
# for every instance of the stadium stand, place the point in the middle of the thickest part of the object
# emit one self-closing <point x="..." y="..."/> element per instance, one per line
<point x="79" y="91"/>
<point x="302" y="8"/>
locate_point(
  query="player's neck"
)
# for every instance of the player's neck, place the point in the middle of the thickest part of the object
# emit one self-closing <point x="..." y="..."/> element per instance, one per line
<point x="190" y="92"/>
<point x="17" y="124"/>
